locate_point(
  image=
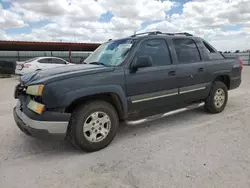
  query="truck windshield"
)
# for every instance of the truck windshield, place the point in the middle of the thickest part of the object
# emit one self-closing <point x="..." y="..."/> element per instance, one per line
<point x="111" y="53"/>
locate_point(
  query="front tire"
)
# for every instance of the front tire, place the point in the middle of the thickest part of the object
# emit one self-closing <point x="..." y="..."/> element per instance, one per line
<point x="217" y="99"/>
<point x="93" y="125"/>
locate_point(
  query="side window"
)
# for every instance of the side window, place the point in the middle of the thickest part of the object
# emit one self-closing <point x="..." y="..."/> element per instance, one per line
<point x="50" y="61"/>
<point x="58" y="61"/>
<point x="157" y="49"/>
<point x="186" y="51"/>
<point x="45" y="61"/>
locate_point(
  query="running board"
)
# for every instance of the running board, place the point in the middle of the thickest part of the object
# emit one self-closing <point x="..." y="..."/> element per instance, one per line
<point x="151" y="118"/>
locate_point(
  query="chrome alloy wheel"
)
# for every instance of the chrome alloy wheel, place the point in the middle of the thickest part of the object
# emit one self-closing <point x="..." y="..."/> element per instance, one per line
<point x="96" y="127"/>
<point x="219" y="98"/>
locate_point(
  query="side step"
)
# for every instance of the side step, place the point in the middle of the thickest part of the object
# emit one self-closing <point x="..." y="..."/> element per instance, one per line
<point x="151" y="118"/>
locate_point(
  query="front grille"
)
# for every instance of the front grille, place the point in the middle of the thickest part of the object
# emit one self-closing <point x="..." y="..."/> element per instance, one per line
<point x="37" y="98"/>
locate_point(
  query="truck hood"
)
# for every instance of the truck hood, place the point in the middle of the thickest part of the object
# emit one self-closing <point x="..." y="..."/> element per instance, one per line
<point x="59" y="73"/>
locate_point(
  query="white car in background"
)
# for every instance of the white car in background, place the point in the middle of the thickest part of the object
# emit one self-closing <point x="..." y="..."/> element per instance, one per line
<point x="39" y="63"/>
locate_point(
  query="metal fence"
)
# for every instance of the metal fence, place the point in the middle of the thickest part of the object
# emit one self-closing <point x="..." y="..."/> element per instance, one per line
<point x="78" y="57"/>
<point x="245" y="57"/>
<point x="13" y="56"/>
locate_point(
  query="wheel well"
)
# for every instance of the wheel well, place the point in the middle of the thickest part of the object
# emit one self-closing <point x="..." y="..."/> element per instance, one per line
<point x="224" y="79"/>
<point x="111" y="98"/>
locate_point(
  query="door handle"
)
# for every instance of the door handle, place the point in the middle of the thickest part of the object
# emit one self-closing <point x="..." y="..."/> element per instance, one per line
<point x="200" y="69"/>
<point x="171" y="73"/>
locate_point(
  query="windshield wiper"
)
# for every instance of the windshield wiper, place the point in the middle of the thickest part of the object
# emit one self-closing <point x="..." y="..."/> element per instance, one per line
<point x="96" y="63"/>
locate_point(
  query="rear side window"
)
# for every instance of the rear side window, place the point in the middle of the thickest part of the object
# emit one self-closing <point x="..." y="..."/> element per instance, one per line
<point x="157" y="49"/>
<point x="186" y="51"/>
<point x="30" y="60"/>
<point x="45" y="61"/>
<point x="58" y="61"/>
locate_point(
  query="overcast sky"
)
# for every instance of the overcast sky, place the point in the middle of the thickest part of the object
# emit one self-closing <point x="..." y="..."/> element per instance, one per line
<point x="224" y="23"/>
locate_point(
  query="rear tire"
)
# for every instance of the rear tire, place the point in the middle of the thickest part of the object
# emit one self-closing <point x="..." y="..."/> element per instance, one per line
<point x="93" y="126"/>
<point x="217" y="99"/>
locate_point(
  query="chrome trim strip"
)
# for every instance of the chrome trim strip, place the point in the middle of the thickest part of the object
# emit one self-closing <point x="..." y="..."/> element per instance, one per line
<point x="192" y="90"/>
<point x="167" y="93"/>
<point x="156" y="97"/>
<point x="51" y="126"/>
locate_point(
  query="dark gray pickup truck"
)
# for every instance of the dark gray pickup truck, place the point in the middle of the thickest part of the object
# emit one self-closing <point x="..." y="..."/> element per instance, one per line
<point x="126" y="79"/>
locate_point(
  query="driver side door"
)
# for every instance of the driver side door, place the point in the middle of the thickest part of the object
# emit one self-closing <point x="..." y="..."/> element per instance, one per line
<point x="154" y="87"/>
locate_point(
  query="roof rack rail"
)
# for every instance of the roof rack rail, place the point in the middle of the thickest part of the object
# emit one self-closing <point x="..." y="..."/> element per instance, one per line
<point x="184" y="33"/>
<point x="149" y="33"/>
<point x="158" y="32"/>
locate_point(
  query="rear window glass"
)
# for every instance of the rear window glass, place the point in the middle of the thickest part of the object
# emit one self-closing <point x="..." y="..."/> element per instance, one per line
<point x="30" y="60"/>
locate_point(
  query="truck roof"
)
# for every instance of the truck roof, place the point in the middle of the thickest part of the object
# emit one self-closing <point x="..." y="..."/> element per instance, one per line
<point x="158" y="34"/>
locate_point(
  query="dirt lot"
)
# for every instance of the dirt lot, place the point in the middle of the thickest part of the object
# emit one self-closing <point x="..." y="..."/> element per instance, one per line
<point x="191" y="149"/>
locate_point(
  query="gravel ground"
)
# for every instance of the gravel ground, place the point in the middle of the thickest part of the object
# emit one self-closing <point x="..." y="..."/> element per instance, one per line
<point x="191" y="149"/>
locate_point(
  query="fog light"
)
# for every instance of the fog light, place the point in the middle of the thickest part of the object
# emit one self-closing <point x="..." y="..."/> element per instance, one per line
<point x="36" y="107"/>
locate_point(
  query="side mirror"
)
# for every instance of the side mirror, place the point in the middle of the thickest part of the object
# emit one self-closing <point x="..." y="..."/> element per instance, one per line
<point x="142" y="61"/>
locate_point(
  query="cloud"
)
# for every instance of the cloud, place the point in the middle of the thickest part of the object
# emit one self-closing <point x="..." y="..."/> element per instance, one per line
<point x="2" y="33"/>
<point x="124" y="23"/>
<point x="205" y="18"/>
<point x="77" y="11"/>
<point x="79" y="21"/>
<point x="9" y="19"/>
<point x="216" y="13"/>
<point x="139" y="10"/>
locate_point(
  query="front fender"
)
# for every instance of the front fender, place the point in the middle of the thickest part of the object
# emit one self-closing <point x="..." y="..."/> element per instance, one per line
<point x="73" y="95"/>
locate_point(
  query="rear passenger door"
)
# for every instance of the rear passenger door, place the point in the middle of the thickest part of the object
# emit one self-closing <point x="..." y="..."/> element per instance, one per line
<point x="192" y="71"/>
<point x="156" y="86"/>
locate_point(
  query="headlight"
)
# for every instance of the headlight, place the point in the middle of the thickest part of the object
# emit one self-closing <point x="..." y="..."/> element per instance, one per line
<point x="36" y="90"/>
<point x="36" y="107"/>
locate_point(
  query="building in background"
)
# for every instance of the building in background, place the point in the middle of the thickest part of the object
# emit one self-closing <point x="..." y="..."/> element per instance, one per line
<point x="13" y="51"/>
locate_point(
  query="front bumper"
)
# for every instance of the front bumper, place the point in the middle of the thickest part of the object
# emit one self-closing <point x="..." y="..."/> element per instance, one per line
<point x="38" y="128"/>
